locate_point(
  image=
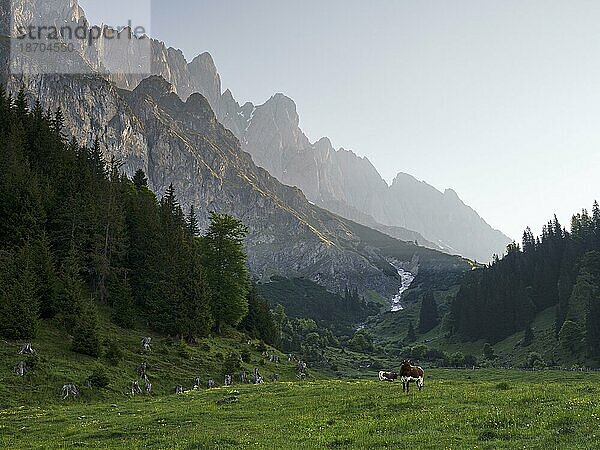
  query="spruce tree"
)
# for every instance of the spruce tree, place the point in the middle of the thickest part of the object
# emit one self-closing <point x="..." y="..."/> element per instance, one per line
<point x="196" y="316"/>
<point x="259" y="321"/>
<point x="85" y="333"/>
<point x="192" y="222"/>
<point x="139" y="179"/>
<point x="411" y="336"/>
<point x="428" y="317"/>
<point x="18" y="303"/>
<point x="227" y="274"/>
<point x="528" y="336"/>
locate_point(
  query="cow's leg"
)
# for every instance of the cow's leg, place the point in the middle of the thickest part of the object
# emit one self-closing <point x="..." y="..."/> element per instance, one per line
<point x="420" y="383"/>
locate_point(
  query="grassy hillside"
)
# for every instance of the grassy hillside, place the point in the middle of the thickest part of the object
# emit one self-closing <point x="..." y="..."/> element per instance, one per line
<point x="169" y="363"/>
<point x="390" y="331"/>
<point x="457" y="409"/>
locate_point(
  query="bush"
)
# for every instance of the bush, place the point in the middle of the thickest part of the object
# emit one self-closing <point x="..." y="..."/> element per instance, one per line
<point x="488" y="352"/>
<point x="85" y="337"/>
<point x="246" y="356"/>
<point x="457" y="359"/>
<point x="99" y="377"/>
<point x="361" y="342"/>
<point x="572" y="337"/>
<point x="535" y="361"/>
<point x="261" y="347"/>
<point x="417" y="352"/>
<point x="231" y="364"/>
<point x="434" y="354"/>
<point x="470" y="360"/>
<point x="113" y="353"/>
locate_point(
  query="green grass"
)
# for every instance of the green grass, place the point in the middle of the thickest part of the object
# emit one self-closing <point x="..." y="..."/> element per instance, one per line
<point x="169" y="364"/>
<point x="479" y="409"/>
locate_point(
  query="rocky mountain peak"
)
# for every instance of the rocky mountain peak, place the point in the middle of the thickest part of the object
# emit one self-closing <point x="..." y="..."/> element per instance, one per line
<point x="206" y="61"/>
<point x="199" y="105"/>
<point x="283" y="109"/>
<point x="452" y="195"/>
<point x="206" y="79"/>
<point x="337" y="180"/>
<point x="155" y="86"/>
<point x="42" y="12"/>
<point x="324" y="143"/>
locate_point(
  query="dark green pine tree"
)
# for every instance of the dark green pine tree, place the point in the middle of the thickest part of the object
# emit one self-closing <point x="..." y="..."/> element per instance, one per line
<point x="45" y="274"/>
<point x="166" y="279"/>
<point x="121" y="301"/>
<point x="259" y="322"/>
<point x="21" y="203"/>
<point x="528" y="241"/>
<point x="145" y="240"/>
<point x="428" y="317"/>
<point x="21" y="105"/>
<point x="192" y="222"/>
<point x="196" y="319"/>
<point x="58" y="123"/>
<point x="85" y="333"/>
<point x="18" y="303"/>
<point x="596" y="225"/>
<point x="139" y="179"/>
<point x="226" y="270"/>
<point x="528" y="336"/>
<point x="96" y="160"/>
<point x="411" y="336"/>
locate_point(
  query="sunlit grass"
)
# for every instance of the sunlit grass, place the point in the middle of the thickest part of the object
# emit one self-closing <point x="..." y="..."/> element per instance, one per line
<point x="481" y="409"/>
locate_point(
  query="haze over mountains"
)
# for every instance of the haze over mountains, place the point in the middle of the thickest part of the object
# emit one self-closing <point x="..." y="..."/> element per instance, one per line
<point x="181" y="142"/>
<point x="337" y="180"/>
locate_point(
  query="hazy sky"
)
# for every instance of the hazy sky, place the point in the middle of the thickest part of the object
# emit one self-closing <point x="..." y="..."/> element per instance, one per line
<point x="499" y="100"/>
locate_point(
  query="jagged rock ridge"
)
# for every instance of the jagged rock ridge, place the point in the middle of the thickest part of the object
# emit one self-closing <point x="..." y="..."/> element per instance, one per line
<point x="182" y="142"/>
<point x="337" y="180"/>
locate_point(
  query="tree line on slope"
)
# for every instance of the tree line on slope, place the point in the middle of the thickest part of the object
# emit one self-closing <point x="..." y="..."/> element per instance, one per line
<point x="77" y="235"/>
<point x="558" y="269"/>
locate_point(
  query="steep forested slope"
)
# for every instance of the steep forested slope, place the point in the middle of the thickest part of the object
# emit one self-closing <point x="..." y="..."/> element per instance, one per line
<point x="77" y="235"/>
<point x="559" y="269"/>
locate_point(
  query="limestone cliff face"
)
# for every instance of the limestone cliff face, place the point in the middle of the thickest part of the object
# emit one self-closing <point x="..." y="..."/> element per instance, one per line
<point x="338" y="179"/>
<point x="183" y="143"/>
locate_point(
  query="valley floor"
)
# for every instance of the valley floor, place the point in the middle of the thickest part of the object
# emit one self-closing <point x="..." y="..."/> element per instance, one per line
<point x="457" y="409"/>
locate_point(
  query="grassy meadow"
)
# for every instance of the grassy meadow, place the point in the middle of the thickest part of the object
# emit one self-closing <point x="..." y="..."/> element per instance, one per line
<point x="457" y="409"/>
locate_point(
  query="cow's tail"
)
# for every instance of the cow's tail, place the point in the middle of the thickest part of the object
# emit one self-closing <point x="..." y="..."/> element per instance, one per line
<point x="381" y="377"/>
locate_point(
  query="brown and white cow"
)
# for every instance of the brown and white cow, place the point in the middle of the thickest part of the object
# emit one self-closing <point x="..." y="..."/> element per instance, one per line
<point x="409" y="373"/>
<point x="387" y="376"/>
